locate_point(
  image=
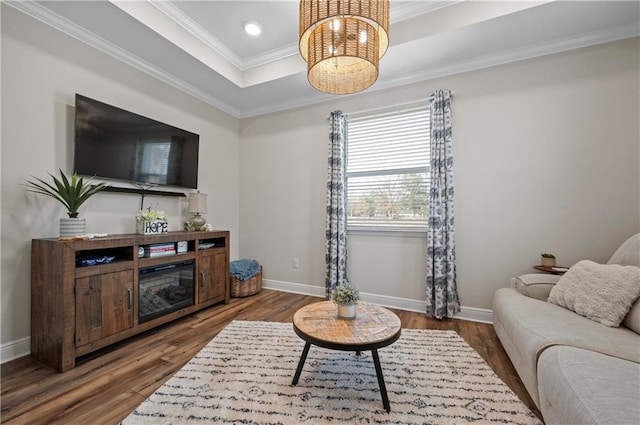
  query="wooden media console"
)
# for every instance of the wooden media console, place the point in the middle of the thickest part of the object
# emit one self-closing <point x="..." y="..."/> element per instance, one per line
<point x="78" y="308"/>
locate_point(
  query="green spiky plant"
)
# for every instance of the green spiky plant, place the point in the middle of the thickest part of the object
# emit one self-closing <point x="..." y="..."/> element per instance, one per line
<point x="69" y="192"/>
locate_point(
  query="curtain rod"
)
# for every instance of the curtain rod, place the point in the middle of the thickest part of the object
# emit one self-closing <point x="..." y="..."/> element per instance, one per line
<point x="366" y="111"/>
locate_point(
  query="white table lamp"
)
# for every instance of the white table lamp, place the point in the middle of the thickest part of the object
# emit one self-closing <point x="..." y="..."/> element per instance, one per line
<point x="197" y="205"/>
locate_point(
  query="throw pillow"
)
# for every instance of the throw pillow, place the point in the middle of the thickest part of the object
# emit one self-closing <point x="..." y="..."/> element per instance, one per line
<point x="601" y="292"/>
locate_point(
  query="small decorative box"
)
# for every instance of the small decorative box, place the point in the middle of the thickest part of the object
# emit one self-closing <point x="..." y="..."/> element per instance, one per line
<point x="155" y="227"/>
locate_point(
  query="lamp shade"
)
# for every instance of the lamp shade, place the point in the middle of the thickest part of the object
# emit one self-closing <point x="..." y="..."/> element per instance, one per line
<point x="197" y="203"/>
<point x="342" y="42"/>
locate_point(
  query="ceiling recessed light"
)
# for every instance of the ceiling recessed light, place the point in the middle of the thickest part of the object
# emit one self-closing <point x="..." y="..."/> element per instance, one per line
<point x="253" y="28"/>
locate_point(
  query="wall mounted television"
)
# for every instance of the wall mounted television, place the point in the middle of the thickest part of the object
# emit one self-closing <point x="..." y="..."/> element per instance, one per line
<point x="112" y="143"/>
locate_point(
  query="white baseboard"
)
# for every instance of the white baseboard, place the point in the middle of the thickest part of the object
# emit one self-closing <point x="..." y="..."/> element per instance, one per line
<point x="14" y="349"/>
<point x="466" y="313"/>
<point x="295" y="288"/>
<point x="475" y="315"/>
<point x="22" y="347"/>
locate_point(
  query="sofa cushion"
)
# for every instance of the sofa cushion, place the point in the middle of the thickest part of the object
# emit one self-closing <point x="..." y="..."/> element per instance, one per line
<point x="628" y="254"/>
<point x="632" y="319"/>
<point x="536" y="285"/>
<point x="527" y="326"/>
<point x="579" y="386"/>
<point x="600" y="292"/>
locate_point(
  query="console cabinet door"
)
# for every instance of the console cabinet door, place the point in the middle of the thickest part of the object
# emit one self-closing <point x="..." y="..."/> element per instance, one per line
<point x="104" y="305"/>
<point x="212" y="275"/>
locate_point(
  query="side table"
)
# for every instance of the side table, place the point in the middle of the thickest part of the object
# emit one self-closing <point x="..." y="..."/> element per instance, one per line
<point x="552" y="270"/>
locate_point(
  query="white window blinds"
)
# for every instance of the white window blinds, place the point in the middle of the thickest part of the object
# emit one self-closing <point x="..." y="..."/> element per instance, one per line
<point x="388" y="169"/>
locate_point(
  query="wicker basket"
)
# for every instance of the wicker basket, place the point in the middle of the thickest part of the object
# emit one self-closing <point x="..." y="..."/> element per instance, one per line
<point x="245" y="288"/>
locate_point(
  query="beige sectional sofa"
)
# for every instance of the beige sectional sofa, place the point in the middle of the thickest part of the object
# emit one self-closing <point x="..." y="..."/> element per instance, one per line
<point x="576" y="370"/>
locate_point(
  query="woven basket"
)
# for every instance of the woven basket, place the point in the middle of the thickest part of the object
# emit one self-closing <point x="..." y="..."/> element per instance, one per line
<point x="245" y="288"/>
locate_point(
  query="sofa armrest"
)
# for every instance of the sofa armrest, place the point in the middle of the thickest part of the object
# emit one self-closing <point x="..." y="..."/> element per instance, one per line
<point x="536" y="285"/>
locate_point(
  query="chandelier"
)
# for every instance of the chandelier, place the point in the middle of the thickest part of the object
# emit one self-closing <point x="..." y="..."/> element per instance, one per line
<point x="342" y="42"/>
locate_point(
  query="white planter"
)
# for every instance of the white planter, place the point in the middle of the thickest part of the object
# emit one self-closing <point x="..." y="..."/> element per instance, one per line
<point x="548" y="262"/>
<point x="70" y="227"/>
<point x="347" y="312"/>
<point x="156" y="227"/>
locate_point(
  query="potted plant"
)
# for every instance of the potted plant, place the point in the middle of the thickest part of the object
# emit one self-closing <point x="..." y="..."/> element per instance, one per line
<point x="151" y="222"/>
<point x="71" y="193"/>
<point x="346" y="297"/>
<point x="548" y="260"/>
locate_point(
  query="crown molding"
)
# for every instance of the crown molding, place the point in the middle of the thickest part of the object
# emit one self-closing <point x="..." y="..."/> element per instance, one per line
<point x="269" y="56"/>
<point x="41" y="13"/>
<point x="557" y="46"/>
<point x="195" y="29"/>
<point x="408" y="10"/>
<point x="515" y="55"/>
<point x="191" y="26"/>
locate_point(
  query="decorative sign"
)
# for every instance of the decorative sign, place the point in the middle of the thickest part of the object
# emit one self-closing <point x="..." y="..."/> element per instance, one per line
<point x="155" y="227"/>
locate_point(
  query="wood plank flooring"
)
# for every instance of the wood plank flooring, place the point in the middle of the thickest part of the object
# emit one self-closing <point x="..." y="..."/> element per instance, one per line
<point x="105" y="387"/>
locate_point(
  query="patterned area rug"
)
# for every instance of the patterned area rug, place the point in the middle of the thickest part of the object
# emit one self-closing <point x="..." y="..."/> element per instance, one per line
<point x="244" y="376"/>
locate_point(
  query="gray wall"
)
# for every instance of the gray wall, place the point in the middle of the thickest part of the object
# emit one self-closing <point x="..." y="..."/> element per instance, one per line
<point x="42" y="69"/>
<point x="546" y="150"/>
<point x="546" y="159"/>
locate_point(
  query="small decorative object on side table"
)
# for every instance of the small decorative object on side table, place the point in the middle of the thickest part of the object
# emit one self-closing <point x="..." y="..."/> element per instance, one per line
<point x="548" y="264"/>
<point x="548" y="260"/>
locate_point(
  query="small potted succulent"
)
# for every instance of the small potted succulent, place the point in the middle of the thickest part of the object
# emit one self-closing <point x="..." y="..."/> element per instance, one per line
<point x="548" y="260"/>
<point x="346" y="297"/>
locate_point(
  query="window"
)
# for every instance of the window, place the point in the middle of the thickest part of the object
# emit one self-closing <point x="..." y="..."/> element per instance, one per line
<point x="388" y="169"/>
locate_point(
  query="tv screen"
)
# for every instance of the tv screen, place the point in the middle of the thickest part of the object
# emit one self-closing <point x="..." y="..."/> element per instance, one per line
<point x="116" y="144"/>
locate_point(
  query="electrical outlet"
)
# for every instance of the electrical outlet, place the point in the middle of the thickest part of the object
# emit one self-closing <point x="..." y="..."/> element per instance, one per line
<point x="295" y="263"/>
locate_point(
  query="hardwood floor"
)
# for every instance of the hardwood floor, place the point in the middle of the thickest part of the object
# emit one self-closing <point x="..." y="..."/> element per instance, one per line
<point x="105" y="387"/>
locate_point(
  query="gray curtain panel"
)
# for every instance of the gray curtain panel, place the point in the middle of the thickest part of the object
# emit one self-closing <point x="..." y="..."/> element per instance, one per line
<point x="442" y="296"/>
<point x="336" y="223"/>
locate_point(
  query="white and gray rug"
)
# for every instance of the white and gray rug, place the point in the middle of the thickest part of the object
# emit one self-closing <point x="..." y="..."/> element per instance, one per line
<point x="244" y="376"/>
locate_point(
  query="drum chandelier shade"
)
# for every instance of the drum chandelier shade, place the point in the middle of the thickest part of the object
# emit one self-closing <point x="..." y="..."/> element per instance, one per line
<point x="342" y="42"/>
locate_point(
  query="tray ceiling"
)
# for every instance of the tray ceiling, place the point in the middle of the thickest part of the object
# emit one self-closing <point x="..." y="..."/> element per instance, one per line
<point x="201" y="48"/>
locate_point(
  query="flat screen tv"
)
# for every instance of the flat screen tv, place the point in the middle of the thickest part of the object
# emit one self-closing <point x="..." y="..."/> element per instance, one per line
<point x="112" y="143"/>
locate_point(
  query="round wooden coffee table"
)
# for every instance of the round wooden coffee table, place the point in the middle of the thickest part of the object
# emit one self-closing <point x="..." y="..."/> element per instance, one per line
<point x="374" y="327"/>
